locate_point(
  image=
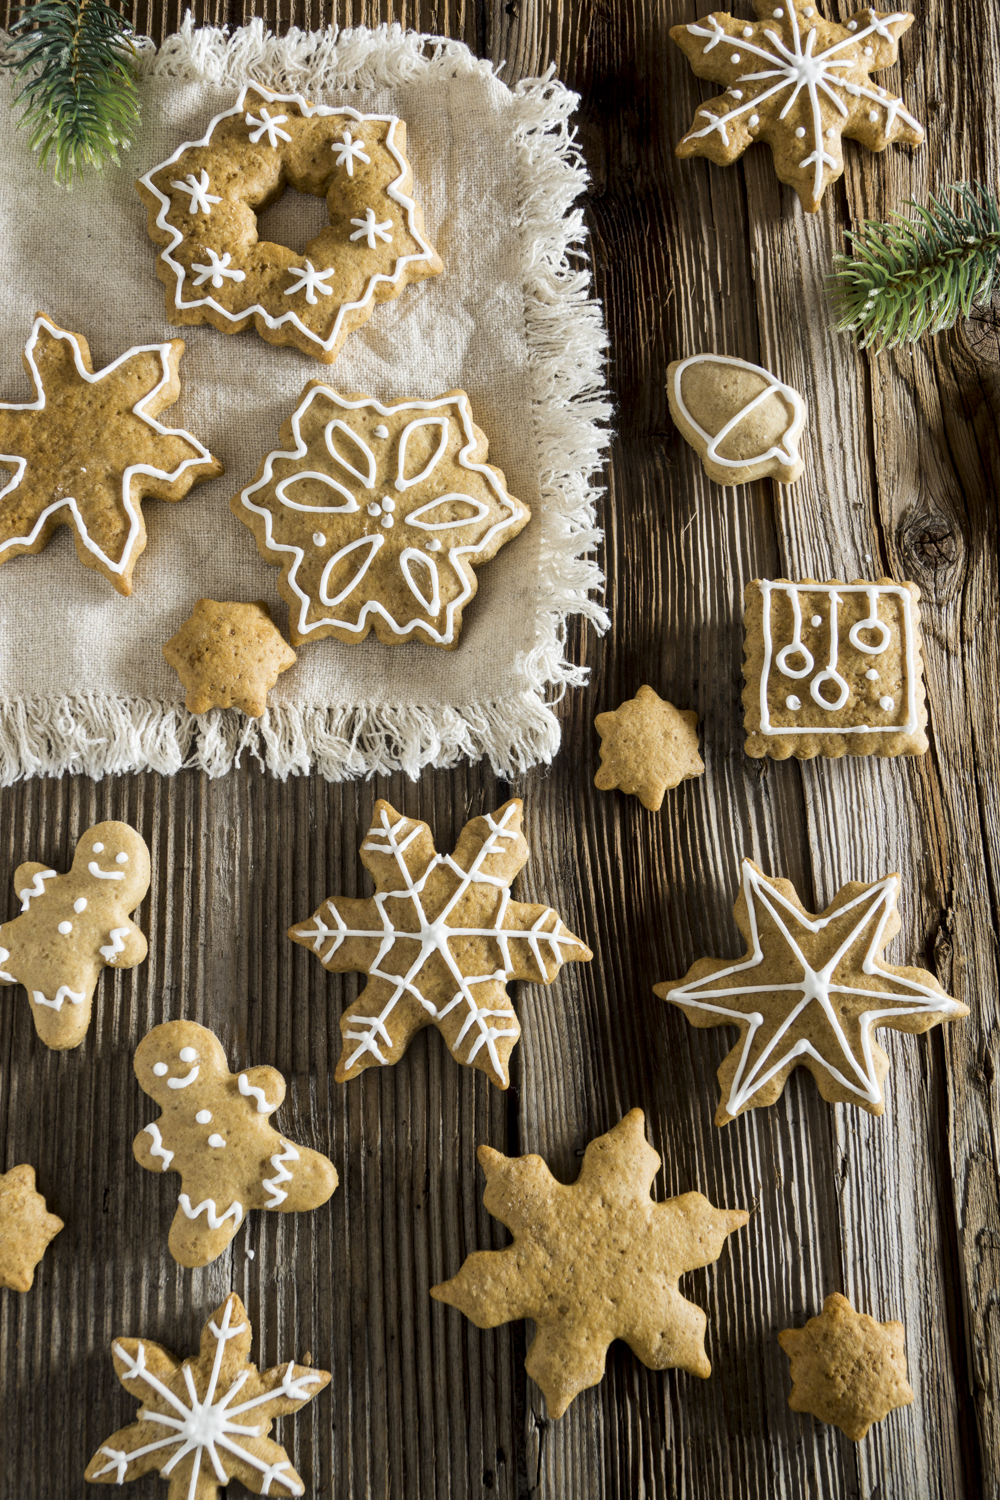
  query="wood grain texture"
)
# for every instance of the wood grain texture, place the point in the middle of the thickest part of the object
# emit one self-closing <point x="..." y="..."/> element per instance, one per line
<point x="901" y="1213"/>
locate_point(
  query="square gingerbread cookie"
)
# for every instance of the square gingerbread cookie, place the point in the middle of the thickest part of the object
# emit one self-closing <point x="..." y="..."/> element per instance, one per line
<point x="833" y="669"/>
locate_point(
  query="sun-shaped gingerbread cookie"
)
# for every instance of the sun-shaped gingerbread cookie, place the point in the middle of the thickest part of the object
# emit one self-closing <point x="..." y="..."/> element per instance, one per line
<point x="647" y="747"/>
<point x="846" y="1368"/>
<point x="228" y="656"/>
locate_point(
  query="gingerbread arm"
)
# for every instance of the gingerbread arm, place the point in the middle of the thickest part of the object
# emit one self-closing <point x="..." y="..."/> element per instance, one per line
<point x="27" y="881"/>
<point x="298" y="1179"/>
<point x="263" y="1088"/>
<point x="149" y="1150"/>
<point x="124" y="946"/>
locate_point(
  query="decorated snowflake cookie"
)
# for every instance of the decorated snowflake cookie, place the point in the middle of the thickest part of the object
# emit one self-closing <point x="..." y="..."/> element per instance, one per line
<point x="204" y="199"/>
<point x="204" y="1421"/>
<point x="378" y="514"/>
<point x="215" y="1130"/>
<point x="70" y="926"/>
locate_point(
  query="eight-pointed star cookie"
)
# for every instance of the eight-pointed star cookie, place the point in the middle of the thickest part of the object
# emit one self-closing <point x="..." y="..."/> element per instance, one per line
<point x="26" y="1227"/>
<point x="439" y="940"/>
<point x="206" y="1420"/>
<point x="647" y="747"/>
<point x="846" y="1368"/>
<point x="215" y="1130"/>
<point x="89" y="448"/>
<point x="377" y="515"/>
<point x="810" y="991"/>
<point x="228" y="656"/>
<point x="798" y="82"/>
<point x="593" y="1262"/>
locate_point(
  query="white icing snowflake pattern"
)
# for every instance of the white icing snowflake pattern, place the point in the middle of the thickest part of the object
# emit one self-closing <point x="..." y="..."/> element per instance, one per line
<point x="201" y="198"/>
<point x="268" y="125"/>
<point x="371" y="230"/>
<point x="218" y="271"/>
<point x="310" y="281"/>
<point x="347" y="149"/>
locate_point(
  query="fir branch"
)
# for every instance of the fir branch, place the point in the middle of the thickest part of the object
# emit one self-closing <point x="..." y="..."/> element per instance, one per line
<point x="918" y="274"/>
<point x="73" y="62"/>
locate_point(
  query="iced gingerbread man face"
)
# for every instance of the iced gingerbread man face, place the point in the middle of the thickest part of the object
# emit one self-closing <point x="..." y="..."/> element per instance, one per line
<point x="71" y="925"/>
<point x="215" y="1130"/>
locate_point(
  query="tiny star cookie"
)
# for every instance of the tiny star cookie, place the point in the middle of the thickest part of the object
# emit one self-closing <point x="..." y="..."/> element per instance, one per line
<point x="206" y="1420"/>
<point x="71" y="926"/>
<point x="228" y="656"/>
<point x="800" y="83"/>
<point x="204" y="200"/>
<point x="647" y="747"/>
<point x="744" y="422"/>
<point x="26" y="1227"/>
<point x="215" y="1130"/>
<point x="809" y="992"/>
<point x="439" y="941"/>
<point x="377" y="516"/>
<point x="846" y="1368"/>
<point x="88" y="449"/>
<point x="593" y="1262"/>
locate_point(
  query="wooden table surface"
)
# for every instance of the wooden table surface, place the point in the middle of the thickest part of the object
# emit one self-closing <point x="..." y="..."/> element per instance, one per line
<point x="900" y="1213"/>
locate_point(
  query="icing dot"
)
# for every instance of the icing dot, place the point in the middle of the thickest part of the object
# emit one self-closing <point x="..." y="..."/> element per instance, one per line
<point x="434" y="545"/>
<point x="374" y="509"/>
<point x="885" y="703"/>
<point x="748" y="31"/>
<point x="852" y="25"/>
<point x="754" y="120"/>
<point x="319" y="539"/>
<point x="187" y="1054"/>
<point x="736" y="93"/>
<point x="382" y="430"/>
<point x="121" y="859"/>
<point x="388" y="503"/>
<point x="831" y="133"/>
<point x="778" y="14"/>
<point x="387" y="521"/>
<point x="868" y="51"/>
<point x="873" y="115"/>
<point x="65" y="927"/>
<point x="872" y="675"/>
<point x="401" y="484"/>
<point x="203" y="1116"/>
<point x="98" y="848"/>
<point x="159" y="1069"/>
<point x="80" y="904"/>
<point x="808" y="11"/>
<point x="792" y="702"/>
<point x="800" y="132"/>
<point x="216" y="1140"/>
<point x="816" y="620"/>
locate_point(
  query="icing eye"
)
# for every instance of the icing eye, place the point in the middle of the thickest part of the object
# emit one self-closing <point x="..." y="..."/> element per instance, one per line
<point x="319" y="540"/>
<point x="80" y="904"/>
<point x="98" y="848"/>
<point x="203" y="1116"/>
<point x="187" y="1054"/>
<point x="65" y="927"/>
<point x="159" y="1069"/>
<point x="121" y="859"/>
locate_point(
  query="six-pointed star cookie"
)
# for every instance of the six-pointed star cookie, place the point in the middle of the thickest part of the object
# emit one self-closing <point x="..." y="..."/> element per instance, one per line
<point x="810" y="991"/>
<point x="593" y="1262"/>
<point x="439" y="940"/>
<point x="228" y="656"/>
<point x="26" y="1227"/>
<point x="846" y="1368"/>
<point x="798" y="82"/>
<point x="647" y="747"/>
<point x="205" y="1421"/>
<point x="88" y="449"/>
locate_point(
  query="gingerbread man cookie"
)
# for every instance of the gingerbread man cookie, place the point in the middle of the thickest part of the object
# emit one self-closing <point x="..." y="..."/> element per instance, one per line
<point x="70" y="926"/>
<point x="26" y="1227"/>
<point x="215" y="1131"/>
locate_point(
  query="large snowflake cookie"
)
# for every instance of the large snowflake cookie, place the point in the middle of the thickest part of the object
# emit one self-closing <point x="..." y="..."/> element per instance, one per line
<point x="26" y="1227"/>
<point x="72" y="925"/>
<point x="215" y="1130"/>
<point x="745" y="423"/>
<point x="846" y="1368"/>
<point x="204" y="199"/>
<point x="89" y="448"/>
<point x="833" y="669"/>
<point x="439" y="941"/>
<point x="800" y="83"/>
<point x="809" y="992"/>
<point x="593" y="1262"/>
<point x="377" y="516"/>
<point x="205" y="1420"/>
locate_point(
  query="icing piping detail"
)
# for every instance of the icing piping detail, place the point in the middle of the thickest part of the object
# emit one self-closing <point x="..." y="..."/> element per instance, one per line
<point x="207" y="1206"/>
<point x="251" y="1091"/>
<point x="37" y="887"/>
<point x="789" y="454"/>
<point x="158" y="1148"/>
<point x="94" y="869"/>
<point x="186" y="1081"/>
<point x="62" y="993"/>
<point x="282" y="1174"/>
<point x="111" y="951"/>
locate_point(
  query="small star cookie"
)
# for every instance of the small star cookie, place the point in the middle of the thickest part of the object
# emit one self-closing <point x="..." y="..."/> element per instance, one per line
<point x="593" y="1262"/>
<point x="647" y="747"/>
<point x="800" y="83"/>
<point x="846" y="1368"/>
<point x="206" y="1420"/>
<point x="228" y="656"/>
<point x="26" y="1227"/>
<point x="809" y="991"/>
<point x="88" y="449"/>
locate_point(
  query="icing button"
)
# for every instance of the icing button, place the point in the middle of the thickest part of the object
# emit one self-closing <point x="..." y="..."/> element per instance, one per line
<point x="65" y="928"/>
<point x="80" y="904"/>
<point x="203" y="1116"/>
<point x="216" y="1140"/>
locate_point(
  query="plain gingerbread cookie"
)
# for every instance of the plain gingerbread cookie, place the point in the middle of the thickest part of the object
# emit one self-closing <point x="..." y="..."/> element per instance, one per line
<point x="647" y="748"/>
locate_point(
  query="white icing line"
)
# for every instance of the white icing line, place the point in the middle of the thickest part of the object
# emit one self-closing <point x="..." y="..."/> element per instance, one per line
<point x="7" y="978"/>
<point x="111" y="951"/>
<point x="207" y="1206"/>
<point x="62" y="993"/>
<point x="251" y="1091"/>
<point x="282" y="1174"/>
<point x="789" y="454"/>
<point x="158" y="1148"/>
<point x="94" y="869"/>
<point x="183" y="1083"/>
<point x="37" y="887"/>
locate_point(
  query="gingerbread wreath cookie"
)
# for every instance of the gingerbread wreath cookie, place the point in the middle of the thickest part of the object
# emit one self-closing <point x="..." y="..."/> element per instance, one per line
<point x="377" y="516"/>
<point x="439" y="940"/>
<point x="204" y="199"/>
<point x="744" y="422"/>
<point x="798" y="82"/>
<point x="846" y="1368"/>
<point x="833" y="669"/>
<point x="215" y="1131"/>
<point x="647" y="747"/>
<point x="88" y="449"/>
<point x="204" y="1421"/>
<point x="26" y="1227"/>
<point x="809" y="992"/>
<point x="228" y="656"/>
<point x="72" y="925"/>
<point x="593" y="1262"/>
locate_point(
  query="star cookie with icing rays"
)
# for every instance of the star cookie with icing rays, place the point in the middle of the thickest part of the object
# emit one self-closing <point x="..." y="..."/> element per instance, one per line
<point x="206" y="1420"/>
<point x="88" y="449"/>
<point x="800" y="83"/>
<point x="439" y="941"/>
<point x="810" y="991"/>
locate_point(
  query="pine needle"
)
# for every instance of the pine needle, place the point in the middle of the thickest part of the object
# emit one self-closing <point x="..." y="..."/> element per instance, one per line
<point x="919" y="273"/>
<point x="73" y="63"/>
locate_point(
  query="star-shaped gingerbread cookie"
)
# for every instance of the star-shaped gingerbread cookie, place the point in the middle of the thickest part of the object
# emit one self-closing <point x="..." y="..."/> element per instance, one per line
<point x="89" y="448"/>
<point x="846" y="1368"/>
<point x="798" y="82"/>
<point x="809" y="991"/>
<point x="228" y="656"/>
<point x="593" y="1262"/>
<point x="439" y="940"/>
<point x="647" y="747"/>
<point x="26" y="1227"/>
<point x="206" y="1420"/>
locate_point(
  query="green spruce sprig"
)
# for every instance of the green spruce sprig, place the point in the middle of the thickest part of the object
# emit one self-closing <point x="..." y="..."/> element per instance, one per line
<point x="73" y="61"/>
<point x="919" y="273"/>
